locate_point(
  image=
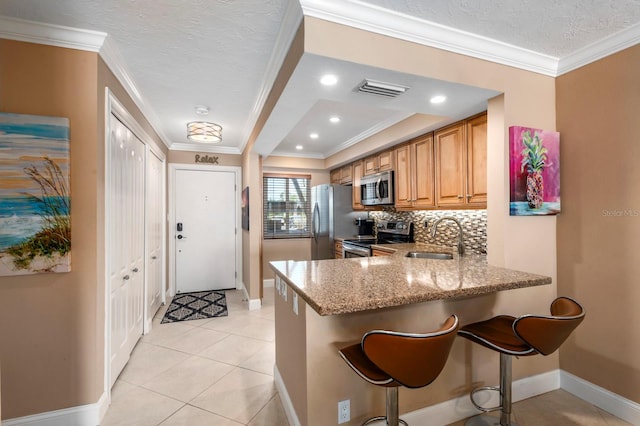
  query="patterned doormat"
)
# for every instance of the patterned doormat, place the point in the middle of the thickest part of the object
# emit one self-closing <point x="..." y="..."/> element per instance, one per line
<point x="197" y="305"/>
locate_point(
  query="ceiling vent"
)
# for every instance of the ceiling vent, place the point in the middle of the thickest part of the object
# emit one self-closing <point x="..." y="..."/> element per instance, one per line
<point x="380" y="88"/>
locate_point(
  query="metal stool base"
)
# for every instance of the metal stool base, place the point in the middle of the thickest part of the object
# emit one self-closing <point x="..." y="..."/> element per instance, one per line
<point x="382" y="419"/>
<point x="485" y="420"/>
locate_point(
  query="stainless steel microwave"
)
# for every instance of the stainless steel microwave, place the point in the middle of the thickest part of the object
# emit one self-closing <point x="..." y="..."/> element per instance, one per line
<point x="377" y="190"/>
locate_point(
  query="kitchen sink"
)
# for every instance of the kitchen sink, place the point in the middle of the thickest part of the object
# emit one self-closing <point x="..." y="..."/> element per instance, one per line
<point x="430" y="255"/>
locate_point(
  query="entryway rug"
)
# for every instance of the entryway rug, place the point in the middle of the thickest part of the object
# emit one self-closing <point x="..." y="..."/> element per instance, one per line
<point x="197" y="305"/>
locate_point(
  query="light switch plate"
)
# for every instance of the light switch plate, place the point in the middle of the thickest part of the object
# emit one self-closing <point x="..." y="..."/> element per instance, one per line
<point x="295" y="303"/>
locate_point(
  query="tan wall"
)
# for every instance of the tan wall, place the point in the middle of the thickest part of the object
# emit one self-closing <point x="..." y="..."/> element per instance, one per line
<point x="188" y="157"/>
<point x="599" y="226"/>
<point x="51" y="340"/>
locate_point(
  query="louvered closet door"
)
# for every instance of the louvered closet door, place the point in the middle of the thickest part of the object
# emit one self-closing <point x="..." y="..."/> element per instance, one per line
<point x="126" y="242"/>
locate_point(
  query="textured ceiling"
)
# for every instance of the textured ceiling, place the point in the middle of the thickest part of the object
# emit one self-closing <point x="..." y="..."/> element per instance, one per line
<point x="183" y="53"/>
<point x="552" y="27"/>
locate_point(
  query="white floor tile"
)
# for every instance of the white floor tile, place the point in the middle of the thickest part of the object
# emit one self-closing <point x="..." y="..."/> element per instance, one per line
<point x="193" y="416"/>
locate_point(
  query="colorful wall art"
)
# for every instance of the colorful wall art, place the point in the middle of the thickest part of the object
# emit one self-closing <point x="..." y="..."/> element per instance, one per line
<point x="534" y="171"/>
<point x="35" y="231"/>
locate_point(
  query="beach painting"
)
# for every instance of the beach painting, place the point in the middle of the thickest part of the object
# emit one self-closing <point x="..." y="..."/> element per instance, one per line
<point x="35" y="203"/>
<point x="534" y="171"/>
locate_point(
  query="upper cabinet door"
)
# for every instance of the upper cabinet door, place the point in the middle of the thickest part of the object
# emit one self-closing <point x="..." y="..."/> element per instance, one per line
<point x="450" y="165"/>
<point x="477" y="160"/>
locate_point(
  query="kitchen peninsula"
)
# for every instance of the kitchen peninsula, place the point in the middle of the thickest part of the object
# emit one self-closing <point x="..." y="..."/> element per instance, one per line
<point x="324" y="305"/>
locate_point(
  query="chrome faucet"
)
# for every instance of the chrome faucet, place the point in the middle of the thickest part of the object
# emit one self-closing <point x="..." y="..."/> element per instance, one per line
<point x="435" y="226"/>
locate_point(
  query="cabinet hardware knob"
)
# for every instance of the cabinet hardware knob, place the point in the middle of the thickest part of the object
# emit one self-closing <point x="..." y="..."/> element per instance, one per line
<point x="126" y="277"/>
<point x="135" y="269"/>
<point x="154" y="257"/>
<point x="460" y="196"/>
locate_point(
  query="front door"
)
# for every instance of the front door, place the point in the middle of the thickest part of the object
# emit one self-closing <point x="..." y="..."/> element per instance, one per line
<point x="205" y="230"/>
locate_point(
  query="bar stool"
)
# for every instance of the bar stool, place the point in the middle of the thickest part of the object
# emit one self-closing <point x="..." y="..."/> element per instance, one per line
<point x="523" y="336"/>
<point x="392" y="359"/>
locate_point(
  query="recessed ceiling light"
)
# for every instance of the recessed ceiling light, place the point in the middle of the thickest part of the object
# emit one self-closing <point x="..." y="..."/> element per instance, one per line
<point x="329" y="80"/>
<point x="438" y="99"/>
<point x="334" y="119"/>
<point x="298" y="147"/>
<point x="314" y="136"/>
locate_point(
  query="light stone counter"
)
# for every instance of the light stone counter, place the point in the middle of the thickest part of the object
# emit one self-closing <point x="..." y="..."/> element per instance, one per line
<point x="342" y="286"/>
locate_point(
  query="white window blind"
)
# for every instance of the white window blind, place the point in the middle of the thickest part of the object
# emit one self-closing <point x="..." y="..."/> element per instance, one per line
<point x="286" y="209"/>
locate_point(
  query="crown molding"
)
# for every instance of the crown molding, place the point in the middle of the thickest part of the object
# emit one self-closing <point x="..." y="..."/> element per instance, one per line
<point x="600" y="49"/>
<point x="290" y="23"/>
<point x="112" y="58"/>
<point x="383" y="21"/>
<point x="212" y="149"/>
<point x="52" y="35"/>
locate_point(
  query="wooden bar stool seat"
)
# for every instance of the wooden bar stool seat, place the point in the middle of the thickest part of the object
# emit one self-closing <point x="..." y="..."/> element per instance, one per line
<point x="392" y="359"/>
<point x="522" y="336"/>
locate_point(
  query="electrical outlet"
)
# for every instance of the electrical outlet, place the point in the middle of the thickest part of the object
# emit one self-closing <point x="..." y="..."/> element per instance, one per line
<point x="344" y="411"/>
<point x="426" y="223"/>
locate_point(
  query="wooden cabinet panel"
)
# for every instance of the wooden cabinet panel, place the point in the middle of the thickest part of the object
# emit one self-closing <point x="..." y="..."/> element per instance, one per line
<point x="341" y="175"/>
<point x="371" y="165"/>
<point x="414" y="174"/>
<point x="336" y="176"/>
<point x="356" y="195"/>
<point x="422" y="166"/>
<point x="378" y="252"/>
<point x="450" y="165"/>
<point x="477" y="160"/>
<point x="338" y="249"/>
<point x="385" y="161"/>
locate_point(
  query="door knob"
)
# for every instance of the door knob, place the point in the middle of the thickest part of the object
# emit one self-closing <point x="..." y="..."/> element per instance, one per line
<point x="180" y="237"/>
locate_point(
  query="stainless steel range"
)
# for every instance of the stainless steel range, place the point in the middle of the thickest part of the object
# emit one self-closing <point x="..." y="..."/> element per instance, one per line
<point x="388" y="232"/>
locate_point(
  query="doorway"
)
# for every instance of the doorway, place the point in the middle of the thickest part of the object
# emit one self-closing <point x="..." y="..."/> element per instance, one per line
<point x="204" y="228"/>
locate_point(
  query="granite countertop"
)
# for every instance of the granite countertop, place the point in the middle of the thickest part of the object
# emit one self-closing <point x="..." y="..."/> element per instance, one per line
<point x="339" y="286"/>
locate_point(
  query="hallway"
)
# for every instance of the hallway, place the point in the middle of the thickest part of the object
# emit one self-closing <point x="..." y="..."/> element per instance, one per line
<point x="203" y="372"/>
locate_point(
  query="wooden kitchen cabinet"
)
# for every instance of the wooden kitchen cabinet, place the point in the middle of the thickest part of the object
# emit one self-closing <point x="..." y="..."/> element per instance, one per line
<point x="341" y="175"/>
<point x="414" y="173"/>
<point x="338" y="249"/>
<point x="477" y="161"/>
<point x="378" y="252"/>
<point x="378" y="163"/>
<point x="461" y="164"/>
<point x="356" y="173"/>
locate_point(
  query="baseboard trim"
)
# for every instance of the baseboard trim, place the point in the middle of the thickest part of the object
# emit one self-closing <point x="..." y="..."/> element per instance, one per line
<point x="83" y="415"/>
<point x="269" y="282"/>
<point x="254" y="304"/>
<point x="290" y="412"/>
<point x="615" y="404"/>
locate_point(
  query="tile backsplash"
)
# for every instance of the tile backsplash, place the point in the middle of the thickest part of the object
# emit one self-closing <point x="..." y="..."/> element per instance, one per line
<point x="474" y="225"/>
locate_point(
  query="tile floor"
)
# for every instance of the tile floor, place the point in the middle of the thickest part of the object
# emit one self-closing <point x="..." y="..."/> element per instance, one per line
<point x="215" y="371"/>
<point x="220" y="372"/>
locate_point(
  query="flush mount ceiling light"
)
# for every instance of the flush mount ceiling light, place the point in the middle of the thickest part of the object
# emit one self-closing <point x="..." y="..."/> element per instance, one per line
<point x="438" y="99"/>
<point x="298" y="147"/>
<point x="329" y="80"/>
<point x="334" y="119"/>
<point x="314" y="136"/>
<point x="203" y="131"/>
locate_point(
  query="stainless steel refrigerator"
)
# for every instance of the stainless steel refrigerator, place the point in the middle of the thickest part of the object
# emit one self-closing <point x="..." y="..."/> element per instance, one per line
<point x="332" y="216"/>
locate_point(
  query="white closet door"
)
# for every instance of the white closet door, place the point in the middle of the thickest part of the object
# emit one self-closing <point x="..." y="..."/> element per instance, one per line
<point x="155" y="208"/>
<point x="126" y="242"/>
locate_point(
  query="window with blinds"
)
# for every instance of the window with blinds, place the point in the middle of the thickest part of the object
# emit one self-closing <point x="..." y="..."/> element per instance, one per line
<point x="286" y="211"/>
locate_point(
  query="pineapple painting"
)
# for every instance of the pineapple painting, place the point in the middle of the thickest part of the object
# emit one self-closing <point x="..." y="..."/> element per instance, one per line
<point x="534" y="171"/>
